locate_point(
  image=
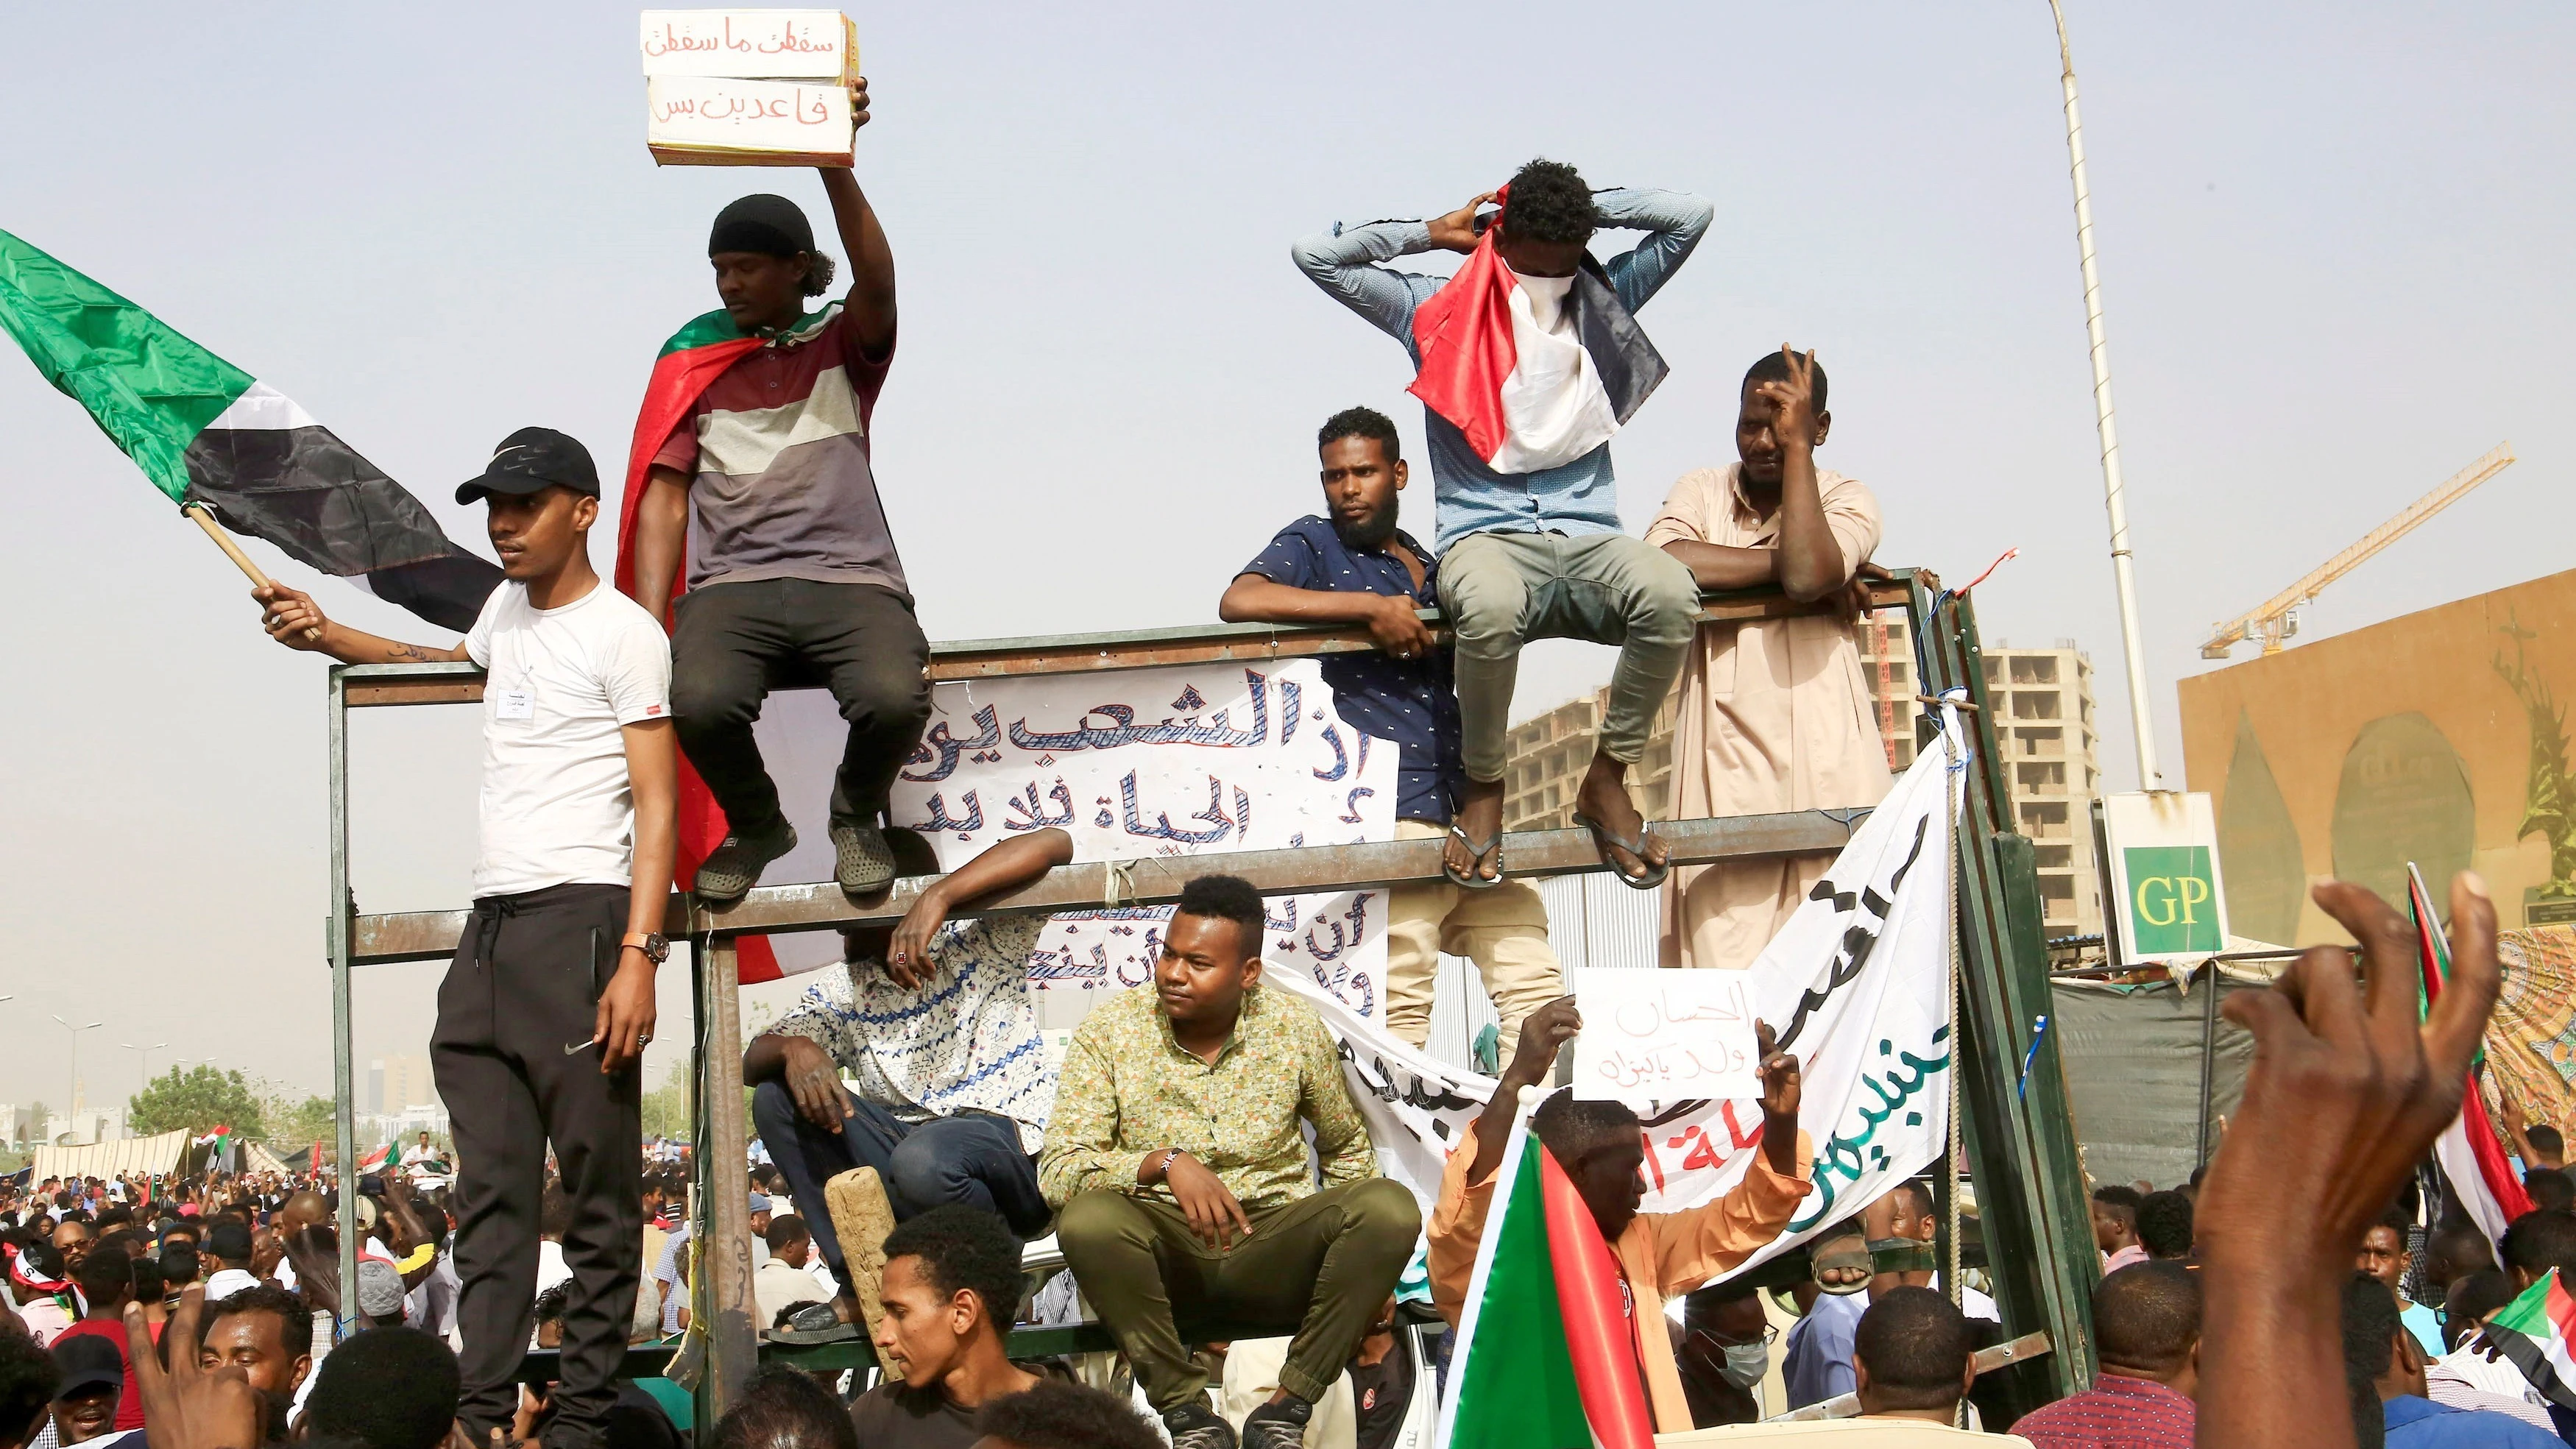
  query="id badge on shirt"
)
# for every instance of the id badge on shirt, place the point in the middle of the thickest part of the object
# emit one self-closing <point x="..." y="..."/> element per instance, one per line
<point x="516" y="703"/>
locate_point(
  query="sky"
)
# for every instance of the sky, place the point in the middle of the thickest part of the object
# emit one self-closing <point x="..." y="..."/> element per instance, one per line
<point x="2331" y="242"/>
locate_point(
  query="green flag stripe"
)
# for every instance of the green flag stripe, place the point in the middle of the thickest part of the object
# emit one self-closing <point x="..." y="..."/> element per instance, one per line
<point x="1516" y="1389"/>
<point x="148" y="388"/>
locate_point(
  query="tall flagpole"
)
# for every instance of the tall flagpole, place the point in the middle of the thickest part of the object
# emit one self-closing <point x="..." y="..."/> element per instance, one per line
<point x="2114" y="492"/>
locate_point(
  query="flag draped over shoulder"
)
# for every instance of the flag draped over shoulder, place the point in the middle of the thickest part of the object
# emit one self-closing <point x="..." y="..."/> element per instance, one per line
<point x="2468" y="1151"/>
<point x="695" y="356"/>
<point x="207" y="433"/>
<point x="2534" y="1332"/>
<point x="1545" y="1356"/>
<point x="1528" y="399"/>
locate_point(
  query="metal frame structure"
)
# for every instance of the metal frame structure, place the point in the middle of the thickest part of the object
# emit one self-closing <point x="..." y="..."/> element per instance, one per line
<point x="2013" y="1117"/>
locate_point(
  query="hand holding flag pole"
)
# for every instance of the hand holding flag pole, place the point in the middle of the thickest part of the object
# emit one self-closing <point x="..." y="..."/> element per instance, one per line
<point x="232" y="550"/>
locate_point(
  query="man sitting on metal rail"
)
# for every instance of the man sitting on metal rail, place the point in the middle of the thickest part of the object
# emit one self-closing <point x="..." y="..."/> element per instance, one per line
<point x="932" y="1020"/>
<point x="754" y="486"/>
<point x="1178" y="1166"/>
<point x="1357" y="567"/>
<point x="1774" y="714"/>
<point x="549" y="1002"/>
<point x="1601" y="1149"/>
<point x="1528" y="360"/>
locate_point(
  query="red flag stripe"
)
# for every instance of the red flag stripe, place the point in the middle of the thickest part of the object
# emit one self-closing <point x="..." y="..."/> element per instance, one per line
<point x="1589" y="1294"/>
<point x="1464" y="337"/>
<point x="2484" y="1146"/>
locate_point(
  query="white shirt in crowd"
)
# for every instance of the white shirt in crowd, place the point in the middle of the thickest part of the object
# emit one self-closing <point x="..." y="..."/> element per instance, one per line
<point x="556" y="804"/>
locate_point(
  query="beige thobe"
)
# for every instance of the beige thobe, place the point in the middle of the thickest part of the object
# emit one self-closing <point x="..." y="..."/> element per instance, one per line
<point x="1773" y="715"/>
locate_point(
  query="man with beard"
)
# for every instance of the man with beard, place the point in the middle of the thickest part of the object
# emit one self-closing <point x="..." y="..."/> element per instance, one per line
<point x="1356" y="567"/>
<point x="266" y="1333"/>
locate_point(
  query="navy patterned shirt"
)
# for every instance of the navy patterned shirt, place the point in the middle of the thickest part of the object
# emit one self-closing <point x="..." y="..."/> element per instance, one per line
<point x="1408" y="702"/>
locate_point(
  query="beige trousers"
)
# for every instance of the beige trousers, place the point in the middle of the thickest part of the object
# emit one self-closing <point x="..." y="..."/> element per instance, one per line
<point x="1503" y="930"/>
<point x="1731" y="910"/>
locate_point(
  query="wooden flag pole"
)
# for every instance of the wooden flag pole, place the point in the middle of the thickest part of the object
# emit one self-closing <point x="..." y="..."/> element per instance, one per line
<point x="232" y="550"/>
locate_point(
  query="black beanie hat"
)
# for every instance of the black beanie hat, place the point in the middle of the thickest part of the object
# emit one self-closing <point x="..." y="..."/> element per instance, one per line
<point x="771" y="225"/>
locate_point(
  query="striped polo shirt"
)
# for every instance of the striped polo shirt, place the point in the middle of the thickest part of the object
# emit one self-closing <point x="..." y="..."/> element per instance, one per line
<point x="777" y="451"/>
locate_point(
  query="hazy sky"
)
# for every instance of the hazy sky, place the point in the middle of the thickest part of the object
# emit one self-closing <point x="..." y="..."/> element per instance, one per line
<point x="2332" y="238"/>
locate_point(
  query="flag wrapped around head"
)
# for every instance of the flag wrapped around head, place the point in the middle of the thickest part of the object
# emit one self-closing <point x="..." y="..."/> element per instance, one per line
<point x="1531" y="384"/>
<point x="1546" y="1357"/>
<point x="209" y="435"/>
<point x="2470" y="1155"/>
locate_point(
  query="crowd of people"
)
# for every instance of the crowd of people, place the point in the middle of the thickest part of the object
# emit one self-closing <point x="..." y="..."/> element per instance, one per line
<point x="1197" y="1157"/>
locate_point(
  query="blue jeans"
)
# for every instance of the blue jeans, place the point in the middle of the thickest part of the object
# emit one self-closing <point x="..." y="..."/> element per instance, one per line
<point x="973" y="1158"/>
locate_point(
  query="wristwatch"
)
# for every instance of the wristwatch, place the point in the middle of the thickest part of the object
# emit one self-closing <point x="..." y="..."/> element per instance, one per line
<point x="654" y="945"/>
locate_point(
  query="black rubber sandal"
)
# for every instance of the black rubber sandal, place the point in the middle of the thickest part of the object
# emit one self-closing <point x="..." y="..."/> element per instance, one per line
<point x="1474" y="879"/>
<point x="1605" y="842"/>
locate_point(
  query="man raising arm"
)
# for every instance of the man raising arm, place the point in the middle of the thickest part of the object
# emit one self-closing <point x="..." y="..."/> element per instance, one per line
<point x="1773" y="715"/>
<point x="766" y="490"/>
<point x="1600" y="1147"/>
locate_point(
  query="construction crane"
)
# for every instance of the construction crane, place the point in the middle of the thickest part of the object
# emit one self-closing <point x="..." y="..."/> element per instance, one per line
<point x="2278" y="618"/>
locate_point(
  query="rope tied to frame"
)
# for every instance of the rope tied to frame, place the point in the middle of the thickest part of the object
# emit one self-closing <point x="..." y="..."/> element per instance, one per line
<point x="1118" y="883"/>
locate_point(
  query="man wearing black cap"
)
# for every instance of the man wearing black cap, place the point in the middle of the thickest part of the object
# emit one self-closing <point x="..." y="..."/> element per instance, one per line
<point x="549" y="1001"/>
<point x="764" y="480"/>
<point x="93" y="1380"/>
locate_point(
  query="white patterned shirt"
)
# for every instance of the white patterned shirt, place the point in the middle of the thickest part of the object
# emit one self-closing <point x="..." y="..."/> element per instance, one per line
<point x="966" y="1040"/>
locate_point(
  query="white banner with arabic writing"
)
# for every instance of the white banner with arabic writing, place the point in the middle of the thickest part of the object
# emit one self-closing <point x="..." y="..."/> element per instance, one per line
<point x="1185" y="760"/>
<point x="1858" y="986"/>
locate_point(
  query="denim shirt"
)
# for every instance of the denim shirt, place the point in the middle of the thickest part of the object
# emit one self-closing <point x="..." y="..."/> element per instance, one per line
<point x="1581" y="497"/>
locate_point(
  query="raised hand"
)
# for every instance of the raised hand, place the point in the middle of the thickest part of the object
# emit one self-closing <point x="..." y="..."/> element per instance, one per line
<point x="1779" y="1069"/>
<point x="1457" y="231"/>
<point x="190" y="1404"/>
<point x="2346" y="1093"/>
<point x="858" y="104"/>
<point x="1792" y="400"/>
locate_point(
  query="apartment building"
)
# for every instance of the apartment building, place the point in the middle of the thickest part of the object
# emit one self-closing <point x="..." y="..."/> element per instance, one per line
<point x="2043" y="722"/>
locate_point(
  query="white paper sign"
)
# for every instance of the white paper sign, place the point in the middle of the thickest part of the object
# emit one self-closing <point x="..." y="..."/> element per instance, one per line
<point x="1857" y="984"/>
<point x="1187" y="760"/>
<point x="752" y="117"/>
<point x="1662" y="1036"/>
<point x="752" y="44"/>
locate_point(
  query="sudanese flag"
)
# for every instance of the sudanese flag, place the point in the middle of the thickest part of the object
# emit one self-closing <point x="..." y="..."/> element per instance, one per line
<point x="695" y="356"/>
<point x="209" y="434"/>
<point x="1527" y="397"/>
<point x="2481" y="1175"/>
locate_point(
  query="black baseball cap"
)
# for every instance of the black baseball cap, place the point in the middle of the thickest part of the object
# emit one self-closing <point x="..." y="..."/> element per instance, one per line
<point x="531" y="459"/>
<point x="88" y="1361"/>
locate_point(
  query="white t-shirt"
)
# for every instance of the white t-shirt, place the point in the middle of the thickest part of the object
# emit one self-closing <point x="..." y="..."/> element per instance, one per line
<point x="556" y="806"/>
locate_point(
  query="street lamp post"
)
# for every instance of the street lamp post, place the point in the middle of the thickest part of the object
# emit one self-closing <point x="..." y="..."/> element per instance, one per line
<point x="145" y="1052"/>
<point x="2114" y="488"/>
<point x="73" y="1101"/>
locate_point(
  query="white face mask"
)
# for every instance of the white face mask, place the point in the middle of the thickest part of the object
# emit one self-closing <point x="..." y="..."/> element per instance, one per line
<point x="1746" y="1363"/>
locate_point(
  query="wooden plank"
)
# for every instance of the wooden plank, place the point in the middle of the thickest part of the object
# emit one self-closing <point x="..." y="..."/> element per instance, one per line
<point x="722" y="1295"/>
<point x="1156" y="880"/>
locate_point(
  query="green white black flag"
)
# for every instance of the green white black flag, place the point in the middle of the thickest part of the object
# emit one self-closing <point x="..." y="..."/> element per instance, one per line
<point x="209" y="434"/>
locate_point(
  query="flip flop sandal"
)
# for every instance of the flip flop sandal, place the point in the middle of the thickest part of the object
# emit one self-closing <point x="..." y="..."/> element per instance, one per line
<point x="1605" y="842"/>
<point x="809" y="1337"/>
<point x="1474" y="879"/>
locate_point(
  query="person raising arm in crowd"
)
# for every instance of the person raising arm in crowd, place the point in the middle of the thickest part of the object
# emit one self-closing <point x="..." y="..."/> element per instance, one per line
<point x="1773" y="714"/>
<point x="763" y="503"/>
<point x="1600" y="1147"/>
<point x="1530" y="536"/>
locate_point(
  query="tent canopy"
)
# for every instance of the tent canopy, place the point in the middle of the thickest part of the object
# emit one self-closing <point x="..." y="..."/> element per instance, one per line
<point x="103" y="1160"/>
